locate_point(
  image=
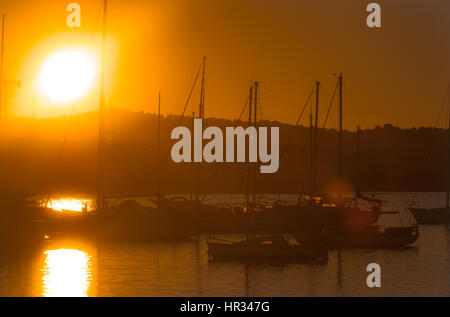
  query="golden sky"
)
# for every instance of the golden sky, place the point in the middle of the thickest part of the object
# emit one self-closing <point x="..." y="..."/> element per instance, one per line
<point x="396" y="74"/>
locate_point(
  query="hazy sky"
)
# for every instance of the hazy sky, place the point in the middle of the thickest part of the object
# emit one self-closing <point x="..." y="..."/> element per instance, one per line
<point x="396" y="74"/>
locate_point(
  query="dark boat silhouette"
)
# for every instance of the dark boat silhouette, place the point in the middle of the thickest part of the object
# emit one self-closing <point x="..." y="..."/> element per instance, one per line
<point x="357" y="227"/>
<point x="269" y="248"/>
<point x="168" y="219"/>
<point x="312" y="216"/>
<point x="349" y="222"/>
<point x="314" y="212"/>
<point x="439" y="215"/>
<point x="129" y="220"/>
<point x="373" y="236"/>
<point x="431" y="215"/>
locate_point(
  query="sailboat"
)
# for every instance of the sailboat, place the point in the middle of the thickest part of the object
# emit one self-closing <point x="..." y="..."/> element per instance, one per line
<point x="371" y="235"/>
<point x="440" y="215"/>
<point x="128" y="220"/>
<point x="263" y="248"/>
<point x="133" y="221"/>
<point x="314" y="212"/>
<point x="351" y="212"/>
<point x="268" y="248"/>
<point x="342" y="221"/>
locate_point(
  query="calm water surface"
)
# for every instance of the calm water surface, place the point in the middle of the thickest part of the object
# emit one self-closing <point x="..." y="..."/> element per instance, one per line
<point x="77" y="268"/>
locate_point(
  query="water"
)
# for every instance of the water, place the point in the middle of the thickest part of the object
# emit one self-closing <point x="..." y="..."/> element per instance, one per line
<point x="83" y="268"/>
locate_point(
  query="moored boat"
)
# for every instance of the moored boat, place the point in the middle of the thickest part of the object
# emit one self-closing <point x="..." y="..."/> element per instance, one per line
<point x="269" y="248"/>
<point x="431" y="215"/>
<point x="373" y="236"/>
<point x="128" y="221"/>
<point x="439" y="215"/>
<point x="272" y="248"/>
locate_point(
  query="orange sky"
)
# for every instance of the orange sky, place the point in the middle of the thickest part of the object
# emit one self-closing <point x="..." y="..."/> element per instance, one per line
<point x="395" y="74"/>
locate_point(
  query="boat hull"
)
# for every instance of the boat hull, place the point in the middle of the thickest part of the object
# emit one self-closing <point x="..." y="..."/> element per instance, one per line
<point x="390" y="238"/>
<point x="224" y="251"/>
<point x="143" y="226"/>
<point x="432" y="215"/>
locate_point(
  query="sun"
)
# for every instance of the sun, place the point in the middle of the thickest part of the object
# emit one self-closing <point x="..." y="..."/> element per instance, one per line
<point x="66" y="75"/>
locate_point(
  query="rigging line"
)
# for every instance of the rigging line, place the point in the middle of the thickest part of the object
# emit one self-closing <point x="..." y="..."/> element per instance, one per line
<point x="182" y="114"/>
<point x="243" y="109"/>
<point x="442" y="106"/>
<point x="217" y="167"/>
<point x="326" y="117"/>
<point x="446" y="96"/>
<point x="94" y="30"/>
<point x="61" y="151"/>
<point x="291" y="135"/>
<point x="189" y="98"/>
<point x="296" y="125"/>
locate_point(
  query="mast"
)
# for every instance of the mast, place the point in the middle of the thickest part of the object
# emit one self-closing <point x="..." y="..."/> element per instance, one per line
<point x="448" y="168"/>
<point x="311" y="153"/>
<point x="158" y="175"/>
<point x="255" y="115"/>
<point x="314" y="163"/>
<point x="357" y="185"/>
<point x="201" y="114"/>
<point x="101" y="126"/>
<point x="340" y="132"/>
<point x="1" y="65"/>
<point x="249" y="167"/>
<point x="250" y="100"/>
<point x="193" y="170"/>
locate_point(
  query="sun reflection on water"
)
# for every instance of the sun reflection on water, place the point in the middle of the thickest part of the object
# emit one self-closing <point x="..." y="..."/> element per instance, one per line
<point x="66" y="273"/>
<point x="68" y="204"/>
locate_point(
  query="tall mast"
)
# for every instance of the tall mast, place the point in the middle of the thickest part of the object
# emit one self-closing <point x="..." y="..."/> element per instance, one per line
<point x="314" y="166"/>
<point x="249" y="167"/>
<point x="158" y="175"/>
<point x="357" y="185"/>
<point x="201" y="110"/>
<point x="255" y="110"/>
<point x="311" y="153"/>
<point x="448" y="175"/>
<point x="101" y="126"/>
<point x="201" y="114"/>
<point x="250" y="102"/>
<point x="255" y="116"/>
<point x="1" y="65"/>
<point x="340" y="132"/>
<point x="194" y="170"/>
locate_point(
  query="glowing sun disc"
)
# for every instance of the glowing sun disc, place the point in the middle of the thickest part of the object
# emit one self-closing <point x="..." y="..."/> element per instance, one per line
<point x="66" y="75"/>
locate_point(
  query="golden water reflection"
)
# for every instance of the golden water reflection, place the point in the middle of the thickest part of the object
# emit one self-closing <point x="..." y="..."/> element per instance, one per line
<point x="66" y="273"/>
<point x="69" y="204"/>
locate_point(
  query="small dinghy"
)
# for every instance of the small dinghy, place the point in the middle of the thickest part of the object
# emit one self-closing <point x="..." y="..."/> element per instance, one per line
<point x="271" y="248"/>
<point x="372" y="237"/>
